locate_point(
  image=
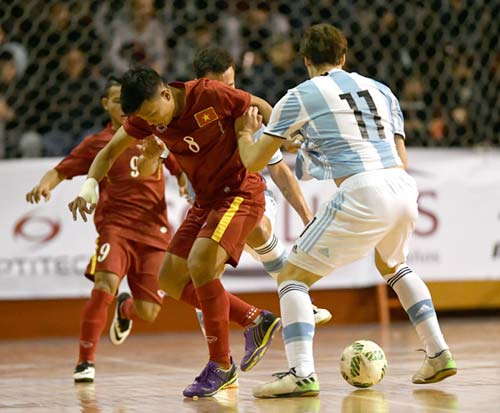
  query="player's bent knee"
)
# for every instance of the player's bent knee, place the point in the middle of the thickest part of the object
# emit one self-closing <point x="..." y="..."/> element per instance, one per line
<point x="174" y="275"/>
<point x="146" y="310"/>
<point x="261" y="233"/>
<point x="200" y="271"/>
<point x="173" y="284"/>
<point x="382" y="266"/>
<point x="107" y="282"/>
<point x="291" y="272"/>
<point x="206" y="261"/>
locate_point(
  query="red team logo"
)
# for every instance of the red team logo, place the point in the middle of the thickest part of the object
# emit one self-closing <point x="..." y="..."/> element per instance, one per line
<point x="36" y="229"/>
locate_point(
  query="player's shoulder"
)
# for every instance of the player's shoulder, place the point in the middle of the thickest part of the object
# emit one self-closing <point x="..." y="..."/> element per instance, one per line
<point x="200" y="91"/>
<point x="303" y="87"/>
<point x="204" y="85"/>
<point x="295" y="92"/>
<point x="365" y="80"/>
<point x="103" y="135"/>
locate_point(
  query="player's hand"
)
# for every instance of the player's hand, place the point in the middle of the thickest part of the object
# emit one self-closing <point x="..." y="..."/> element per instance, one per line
<point x="152" y="147"/>
<point x="293" y="143"/>
<point x="182" y="182"/>
<point x="80" y="205"/>
<point x="249" y="122"/>
<point x="35" y="195"/>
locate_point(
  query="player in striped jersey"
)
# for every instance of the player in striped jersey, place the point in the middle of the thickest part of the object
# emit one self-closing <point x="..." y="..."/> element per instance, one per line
<point x="354" y="133"/>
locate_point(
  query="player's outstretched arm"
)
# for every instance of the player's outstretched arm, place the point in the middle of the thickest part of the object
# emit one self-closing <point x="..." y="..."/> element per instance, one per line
<point x="254" y="155"/>
<point x="285" y="180"/>
<point x="265" y="109"/>
<point x="48" y="182"/>
<point x="100" y="166"/>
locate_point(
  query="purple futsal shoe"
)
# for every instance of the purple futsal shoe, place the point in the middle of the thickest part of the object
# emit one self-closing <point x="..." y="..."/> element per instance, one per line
<point x="258" y="338"/>
<point x="211" y="380"/>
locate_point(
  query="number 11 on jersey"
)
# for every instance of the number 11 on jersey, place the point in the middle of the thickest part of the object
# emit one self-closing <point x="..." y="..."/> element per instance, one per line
<point x="359" y="115"/>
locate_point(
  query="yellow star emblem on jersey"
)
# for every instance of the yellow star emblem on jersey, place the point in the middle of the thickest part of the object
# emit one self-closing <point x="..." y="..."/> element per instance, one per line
<point x="206" y="116"/>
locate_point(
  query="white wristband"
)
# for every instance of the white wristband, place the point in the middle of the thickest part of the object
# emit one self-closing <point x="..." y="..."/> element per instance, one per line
<point x="89" y="191"/>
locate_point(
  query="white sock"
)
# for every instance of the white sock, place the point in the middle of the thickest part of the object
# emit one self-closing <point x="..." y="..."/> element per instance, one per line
<point x="298" y="326"/>
<point x="273" y="255"/>
<point x="416" y="300"/>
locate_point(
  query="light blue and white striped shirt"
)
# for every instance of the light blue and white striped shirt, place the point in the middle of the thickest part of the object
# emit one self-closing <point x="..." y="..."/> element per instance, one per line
<point x="348" y="122"/>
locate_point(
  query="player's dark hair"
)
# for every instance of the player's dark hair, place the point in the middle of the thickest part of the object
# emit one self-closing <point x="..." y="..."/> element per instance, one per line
<point x="139" y="83"/>
<point x="212" y="60"/>
<point x="110" y="82"/>
<point x="323" y="44"/>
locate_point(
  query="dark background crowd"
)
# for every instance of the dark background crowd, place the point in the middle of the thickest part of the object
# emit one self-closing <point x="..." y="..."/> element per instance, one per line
<point x="441" y="58"/>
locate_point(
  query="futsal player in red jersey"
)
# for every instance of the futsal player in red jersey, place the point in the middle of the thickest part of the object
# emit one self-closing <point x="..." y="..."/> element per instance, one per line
<point x="196" y="122"/>
<point x="131" y="220"/>
<point x="217" y="64"/>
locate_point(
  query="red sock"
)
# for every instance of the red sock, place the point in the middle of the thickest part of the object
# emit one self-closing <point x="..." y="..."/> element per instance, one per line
<point x="214" y="303"/>
<point x="189" y="295"/>
<point x="128" y="310"/>
<point x="93" y="320"/>
<point x="240" y="312"/>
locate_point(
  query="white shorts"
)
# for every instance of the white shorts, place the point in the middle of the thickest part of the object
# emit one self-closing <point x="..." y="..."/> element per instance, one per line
<point x="374" y="209"/>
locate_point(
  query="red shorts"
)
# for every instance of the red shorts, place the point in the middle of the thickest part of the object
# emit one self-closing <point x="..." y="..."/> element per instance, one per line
<point x="121" y="256"/>
<point x="227" y="222"/>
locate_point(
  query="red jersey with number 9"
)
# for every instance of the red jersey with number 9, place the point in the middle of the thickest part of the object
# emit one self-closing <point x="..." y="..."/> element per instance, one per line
<point x="133" y="204"/>
<point x="204" y="142"/>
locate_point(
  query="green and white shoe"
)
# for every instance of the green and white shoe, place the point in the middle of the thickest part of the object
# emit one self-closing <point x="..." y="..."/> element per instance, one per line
<point x="436" y="368"/>
<point x="321" y="315"/>
<point x="288" y="384"/>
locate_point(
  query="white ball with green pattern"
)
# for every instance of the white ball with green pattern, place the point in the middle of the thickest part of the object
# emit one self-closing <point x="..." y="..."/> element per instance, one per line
<point x="363" y="364"/>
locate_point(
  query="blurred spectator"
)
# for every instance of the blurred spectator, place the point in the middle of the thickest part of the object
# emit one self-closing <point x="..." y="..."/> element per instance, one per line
<point x="66" y="23"/>
<point x="133" y="34"/>
<point x="31" y="145"/>
<point x="280" y="61"/>
<point x="182" y="65"/>
<point x="441" y="58"/>
<point x="437" y="127"/>
<point x="17" y="50"/>
<point x="6" y="114"/>
<point x="8" y="73"/>
<point x="250" y="26"/>
<point x="72" y="104"/>
<point x="414" y="110"/>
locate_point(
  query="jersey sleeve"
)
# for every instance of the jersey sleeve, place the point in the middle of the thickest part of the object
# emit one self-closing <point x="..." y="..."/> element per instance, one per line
<point x="171" y="164"/>
<point x="397" y="116"/>
<point x="79" y="160"/>
<point x="288" y="116"/>
<point x="278" y="155"/>
<point x="137" y="128"/>
<point x="232" y="102"/>
<point x="396" y="113"/>
<point x="277" y="158"/>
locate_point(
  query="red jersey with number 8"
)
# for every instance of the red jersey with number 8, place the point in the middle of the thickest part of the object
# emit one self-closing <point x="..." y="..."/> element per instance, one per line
<point x="204" y="142"/>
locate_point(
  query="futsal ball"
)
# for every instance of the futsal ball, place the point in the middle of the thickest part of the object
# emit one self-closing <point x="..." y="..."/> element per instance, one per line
<point x="363" y="364"/>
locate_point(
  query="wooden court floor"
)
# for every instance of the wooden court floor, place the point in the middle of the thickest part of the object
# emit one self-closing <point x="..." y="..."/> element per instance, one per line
<point x="147" y="374"/>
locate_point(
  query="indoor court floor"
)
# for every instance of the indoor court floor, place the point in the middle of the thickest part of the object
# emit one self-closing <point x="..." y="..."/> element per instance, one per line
<point x="148" y="373"/>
